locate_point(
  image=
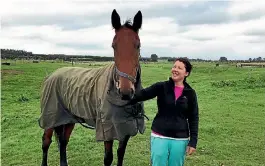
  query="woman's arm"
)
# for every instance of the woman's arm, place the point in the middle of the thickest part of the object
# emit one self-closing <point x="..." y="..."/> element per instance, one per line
<point x="147" y="93"/>
<point x="193" y="120"/>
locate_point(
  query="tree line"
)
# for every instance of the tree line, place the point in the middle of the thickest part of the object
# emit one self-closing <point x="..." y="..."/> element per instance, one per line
<point x="22" y="54"/>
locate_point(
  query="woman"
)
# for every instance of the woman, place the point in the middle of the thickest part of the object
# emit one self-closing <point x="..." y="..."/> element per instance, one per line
<point x="175" y="126"/>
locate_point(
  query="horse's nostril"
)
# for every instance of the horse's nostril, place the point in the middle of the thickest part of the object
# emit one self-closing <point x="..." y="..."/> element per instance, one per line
<point x="125" y="97"/>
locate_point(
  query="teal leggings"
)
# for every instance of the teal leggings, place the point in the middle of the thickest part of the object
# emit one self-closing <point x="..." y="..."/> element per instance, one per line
<point x="168" y="152"/>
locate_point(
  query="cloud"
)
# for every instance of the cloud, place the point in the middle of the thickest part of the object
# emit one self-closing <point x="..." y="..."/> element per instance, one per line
<point x="196" y="29"/>
<point x="238" y="8"/>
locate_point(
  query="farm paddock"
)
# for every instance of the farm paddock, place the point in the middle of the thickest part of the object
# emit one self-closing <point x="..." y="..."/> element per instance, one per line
<point x="231" y="102"/>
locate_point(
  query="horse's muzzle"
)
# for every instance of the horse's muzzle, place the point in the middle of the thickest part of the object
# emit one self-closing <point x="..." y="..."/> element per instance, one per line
<point x="126" y="95"/>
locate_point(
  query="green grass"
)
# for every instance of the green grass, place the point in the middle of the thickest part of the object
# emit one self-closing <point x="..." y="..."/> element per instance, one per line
<point x="232" y="111"/>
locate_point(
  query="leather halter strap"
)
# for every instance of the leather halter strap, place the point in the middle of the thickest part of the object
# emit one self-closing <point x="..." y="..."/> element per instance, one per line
<point x="125" y="75"/>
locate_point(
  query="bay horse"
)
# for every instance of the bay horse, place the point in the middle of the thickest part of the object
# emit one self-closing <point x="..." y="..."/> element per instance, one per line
<point x="126" y="48"/>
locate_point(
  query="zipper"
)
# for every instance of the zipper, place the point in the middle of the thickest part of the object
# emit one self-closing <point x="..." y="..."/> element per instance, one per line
<point x="182" y="95"/>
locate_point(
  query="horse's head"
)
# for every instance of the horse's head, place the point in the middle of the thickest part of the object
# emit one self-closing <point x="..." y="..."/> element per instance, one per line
<point x="126" y="46"/>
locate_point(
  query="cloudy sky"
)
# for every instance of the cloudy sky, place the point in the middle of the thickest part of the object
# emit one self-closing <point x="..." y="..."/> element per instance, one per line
<point x="196" y="29"/>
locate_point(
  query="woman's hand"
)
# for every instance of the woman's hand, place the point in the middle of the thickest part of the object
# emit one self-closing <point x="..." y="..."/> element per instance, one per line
<point x="190" y="150"/>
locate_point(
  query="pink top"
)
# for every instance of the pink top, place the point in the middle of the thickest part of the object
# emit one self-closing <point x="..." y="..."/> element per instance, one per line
<point x="178" y="91"/>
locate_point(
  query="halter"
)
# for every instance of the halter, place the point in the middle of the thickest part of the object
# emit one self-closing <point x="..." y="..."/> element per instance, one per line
<point x="122" y="74"/>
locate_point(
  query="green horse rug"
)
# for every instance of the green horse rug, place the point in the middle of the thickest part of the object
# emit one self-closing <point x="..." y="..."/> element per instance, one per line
<point x="89" y="96"/>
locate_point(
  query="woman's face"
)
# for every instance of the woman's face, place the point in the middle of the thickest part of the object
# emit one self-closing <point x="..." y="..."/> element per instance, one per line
<point x="178" y="71"/>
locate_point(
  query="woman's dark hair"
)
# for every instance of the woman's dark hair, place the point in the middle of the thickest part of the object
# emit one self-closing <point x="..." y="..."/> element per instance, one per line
<point x="187" y="64"/>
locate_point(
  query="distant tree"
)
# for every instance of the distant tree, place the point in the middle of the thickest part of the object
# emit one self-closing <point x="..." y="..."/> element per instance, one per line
<point x="250" y="59"/>
<point x="154" y="57"/>
<point x="171" y="59"/>
<point x="223" y="59"/>
<point x="259" y="59"/>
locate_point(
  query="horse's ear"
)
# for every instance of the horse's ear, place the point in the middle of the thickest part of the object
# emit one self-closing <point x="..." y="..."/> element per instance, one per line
<point x="115" y="20"/>
<point x="137" y="21"/>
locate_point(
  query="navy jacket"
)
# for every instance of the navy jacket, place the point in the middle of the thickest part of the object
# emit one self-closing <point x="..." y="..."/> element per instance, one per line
<point x="175" y="118"/>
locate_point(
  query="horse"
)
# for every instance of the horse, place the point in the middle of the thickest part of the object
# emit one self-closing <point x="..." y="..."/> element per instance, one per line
<point x="97" y="97"/>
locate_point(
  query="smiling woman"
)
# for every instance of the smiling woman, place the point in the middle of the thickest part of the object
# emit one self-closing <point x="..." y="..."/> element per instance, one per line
<point x="175" y="126"/>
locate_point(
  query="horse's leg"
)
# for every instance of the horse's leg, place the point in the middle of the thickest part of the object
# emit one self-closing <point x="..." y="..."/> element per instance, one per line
<point x="108" y="157"/>
<point x="63" y="132"/>
<point x="46" y="142"/>
<point x="121" y="150"/>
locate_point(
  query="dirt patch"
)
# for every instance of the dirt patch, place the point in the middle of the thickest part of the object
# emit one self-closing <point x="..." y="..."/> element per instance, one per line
<point x="5" y="72"/>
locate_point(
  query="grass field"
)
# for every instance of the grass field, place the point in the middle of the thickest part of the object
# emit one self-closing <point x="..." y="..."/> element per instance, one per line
<point x="231" y="130"/>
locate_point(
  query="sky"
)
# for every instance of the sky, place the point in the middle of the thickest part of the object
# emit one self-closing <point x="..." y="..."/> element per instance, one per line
<point x="170" y="28"/>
